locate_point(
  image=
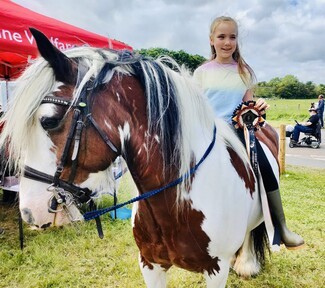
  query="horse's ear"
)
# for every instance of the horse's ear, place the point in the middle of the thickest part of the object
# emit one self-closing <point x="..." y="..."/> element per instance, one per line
<point x="60" y="63"/>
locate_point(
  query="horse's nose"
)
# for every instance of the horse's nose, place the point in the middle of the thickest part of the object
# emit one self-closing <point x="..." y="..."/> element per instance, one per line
<point x="27" y="216"/>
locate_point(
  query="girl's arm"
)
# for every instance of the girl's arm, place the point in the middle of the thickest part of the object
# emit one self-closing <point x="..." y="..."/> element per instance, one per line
<point x="248" y="95"/>
<point x="260" y="103"/>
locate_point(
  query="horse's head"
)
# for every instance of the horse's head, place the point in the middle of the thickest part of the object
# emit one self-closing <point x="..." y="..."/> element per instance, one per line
<point x="54" y="115"/>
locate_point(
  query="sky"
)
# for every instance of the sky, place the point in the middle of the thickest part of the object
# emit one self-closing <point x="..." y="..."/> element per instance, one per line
<point x="276" y="37"/>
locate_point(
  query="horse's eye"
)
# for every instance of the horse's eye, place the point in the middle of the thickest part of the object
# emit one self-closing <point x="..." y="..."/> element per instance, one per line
<point x="49" y="123"/>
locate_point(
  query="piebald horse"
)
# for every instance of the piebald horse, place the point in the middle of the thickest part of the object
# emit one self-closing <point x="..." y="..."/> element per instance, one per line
<point x="73" y="113"/>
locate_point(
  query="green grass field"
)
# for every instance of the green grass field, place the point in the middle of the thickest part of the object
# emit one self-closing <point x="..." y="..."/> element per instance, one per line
<point x="284" y="111"/>
<point x="74" y="256"/>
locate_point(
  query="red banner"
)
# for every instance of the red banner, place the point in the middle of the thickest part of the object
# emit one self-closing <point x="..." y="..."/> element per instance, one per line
<point x="17" y="44"/>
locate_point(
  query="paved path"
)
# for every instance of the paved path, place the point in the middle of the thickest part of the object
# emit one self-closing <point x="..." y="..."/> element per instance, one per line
<point x="306" y="156"/>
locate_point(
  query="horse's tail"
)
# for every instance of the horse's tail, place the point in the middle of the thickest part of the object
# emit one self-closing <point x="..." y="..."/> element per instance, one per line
<point x="261" y="242"/>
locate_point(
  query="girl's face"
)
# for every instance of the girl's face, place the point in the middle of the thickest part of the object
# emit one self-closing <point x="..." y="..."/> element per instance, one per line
<point x="224" y="40"/>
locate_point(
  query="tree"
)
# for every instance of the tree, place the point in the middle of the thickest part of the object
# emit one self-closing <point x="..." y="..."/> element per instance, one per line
<point x="310" y="90"/>
<point x="320" y="89"/>
<point x="181" y="57"/>
<point x="264" y="90"/>
<point x="288" y="87"/>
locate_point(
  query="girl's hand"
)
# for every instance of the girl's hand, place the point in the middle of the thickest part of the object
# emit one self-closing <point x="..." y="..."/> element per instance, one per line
<point x="261" y="104"/>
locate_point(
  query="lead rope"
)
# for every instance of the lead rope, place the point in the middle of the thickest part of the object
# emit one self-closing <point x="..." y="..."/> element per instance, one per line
<point x="93" y="214"/>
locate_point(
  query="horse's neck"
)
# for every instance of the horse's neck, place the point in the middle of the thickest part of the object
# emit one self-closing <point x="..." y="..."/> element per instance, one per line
<point x="139" y="149"/>
<point x="146" y="165"/>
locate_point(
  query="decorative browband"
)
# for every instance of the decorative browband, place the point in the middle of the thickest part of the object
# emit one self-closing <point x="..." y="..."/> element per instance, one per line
<point x="56" y="100"/>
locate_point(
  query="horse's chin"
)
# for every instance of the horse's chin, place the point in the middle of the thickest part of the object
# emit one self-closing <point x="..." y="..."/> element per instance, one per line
<point x="69" y="216"/>
<point x="34" y="227"/>
<point x="43" y="221"/>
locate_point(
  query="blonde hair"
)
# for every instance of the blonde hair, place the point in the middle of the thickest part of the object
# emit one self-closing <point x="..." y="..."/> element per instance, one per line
<point x="246" y="73"/>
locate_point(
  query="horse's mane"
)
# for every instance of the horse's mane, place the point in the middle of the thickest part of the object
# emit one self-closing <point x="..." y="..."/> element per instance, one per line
<point x="174" y="102"/>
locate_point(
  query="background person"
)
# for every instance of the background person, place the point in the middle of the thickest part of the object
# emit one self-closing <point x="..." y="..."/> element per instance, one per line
<point x="227" y="80"/>
<point x="320" y="110"/>
<point x="307" y="127"/>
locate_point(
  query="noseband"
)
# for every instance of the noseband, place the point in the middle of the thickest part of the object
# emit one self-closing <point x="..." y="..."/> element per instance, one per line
<point x="64" y="192"/>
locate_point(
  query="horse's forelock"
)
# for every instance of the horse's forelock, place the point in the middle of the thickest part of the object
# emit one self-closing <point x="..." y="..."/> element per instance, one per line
<point x="98" y="65"/>
<point x="36" y="82"/>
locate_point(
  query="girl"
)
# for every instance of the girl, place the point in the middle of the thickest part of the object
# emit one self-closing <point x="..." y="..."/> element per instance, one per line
<point x="227" y="80"/>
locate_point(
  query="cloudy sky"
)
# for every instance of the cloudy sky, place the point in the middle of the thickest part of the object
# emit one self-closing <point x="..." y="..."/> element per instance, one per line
<point x="277" y="37"/>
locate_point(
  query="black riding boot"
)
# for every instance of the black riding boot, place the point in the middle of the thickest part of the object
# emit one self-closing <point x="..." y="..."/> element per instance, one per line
<point x="290" y="239"/>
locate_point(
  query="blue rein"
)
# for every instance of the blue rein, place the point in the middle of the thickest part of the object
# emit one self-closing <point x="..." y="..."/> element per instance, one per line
<point x="96" y="213"/>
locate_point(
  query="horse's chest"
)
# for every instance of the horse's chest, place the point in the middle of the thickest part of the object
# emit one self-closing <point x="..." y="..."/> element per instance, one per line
<point x="170" y="241"/>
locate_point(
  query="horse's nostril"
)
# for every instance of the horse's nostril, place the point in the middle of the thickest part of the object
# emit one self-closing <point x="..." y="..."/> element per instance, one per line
<point x="27" y="215"/>
<point x="46" y="225"/>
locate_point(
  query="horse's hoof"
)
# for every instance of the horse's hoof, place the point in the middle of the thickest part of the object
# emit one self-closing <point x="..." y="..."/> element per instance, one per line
<point x="303" y="245"/>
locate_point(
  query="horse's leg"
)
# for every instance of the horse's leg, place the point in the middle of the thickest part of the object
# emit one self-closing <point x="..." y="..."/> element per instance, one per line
<point x="246" y="264"/>
<point x="219" y="279"/>
<point x="154" y="278"/>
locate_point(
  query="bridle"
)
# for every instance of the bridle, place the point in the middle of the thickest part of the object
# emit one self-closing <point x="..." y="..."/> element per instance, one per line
<point x="64" y="192"/>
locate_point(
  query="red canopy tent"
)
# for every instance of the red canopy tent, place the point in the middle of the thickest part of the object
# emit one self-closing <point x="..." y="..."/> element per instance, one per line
<point x="17" y="45"/>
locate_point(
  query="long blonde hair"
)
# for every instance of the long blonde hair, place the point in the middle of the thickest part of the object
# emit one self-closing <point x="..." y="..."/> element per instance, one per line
<point x="245" y="71"/>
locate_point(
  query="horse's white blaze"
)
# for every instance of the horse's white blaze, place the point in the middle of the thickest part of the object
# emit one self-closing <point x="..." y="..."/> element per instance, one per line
<point x="40" y="155"/>
<point x="32" y="195"/>
<point x="32" y="202"/>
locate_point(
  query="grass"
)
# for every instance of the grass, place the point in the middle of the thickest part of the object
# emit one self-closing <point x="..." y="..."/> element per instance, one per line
<point x="283" y="111"/>
<point x="74" y="256"/>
